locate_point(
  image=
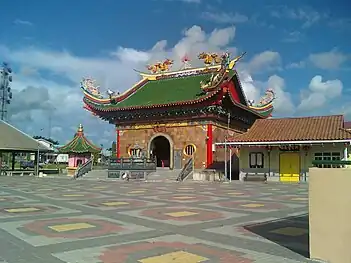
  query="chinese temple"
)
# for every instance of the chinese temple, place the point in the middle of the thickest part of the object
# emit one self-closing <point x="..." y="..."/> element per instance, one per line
<point x="79" y="150"/>
<point x="174" y="115"/>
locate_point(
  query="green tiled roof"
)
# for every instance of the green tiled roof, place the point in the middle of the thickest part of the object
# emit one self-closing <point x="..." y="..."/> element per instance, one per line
<point x="167" y="91"/>
<point x="79" y="144"/>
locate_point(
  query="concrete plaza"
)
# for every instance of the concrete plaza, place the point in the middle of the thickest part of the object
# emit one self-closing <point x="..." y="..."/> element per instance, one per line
<point x="52" y="220"/>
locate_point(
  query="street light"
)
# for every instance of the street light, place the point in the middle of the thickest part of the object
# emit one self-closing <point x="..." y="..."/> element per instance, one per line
<point x="5" y="89"/>
<point x="225" y="147"/>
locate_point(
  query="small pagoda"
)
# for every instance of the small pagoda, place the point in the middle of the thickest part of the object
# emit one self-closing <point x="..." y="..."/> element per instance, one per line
<point x="80" y="150"/>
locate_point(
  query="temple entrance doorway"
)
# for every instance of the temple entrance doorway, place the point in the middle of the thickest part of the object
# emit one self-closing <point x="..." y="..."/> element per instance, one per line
<point x="160" y="148"/>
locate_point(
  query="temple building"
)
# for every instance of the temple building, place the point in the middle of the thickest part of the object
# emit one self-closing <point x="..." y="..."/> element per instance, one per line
<point x="80" y="150"/>
<point x="180" y="114"/>
<point x="285" y="149"/>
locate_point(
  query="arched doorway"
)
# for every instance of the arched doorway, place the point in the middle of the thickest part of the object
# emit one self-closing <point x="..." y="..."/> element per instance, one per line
<point x="160" y="148"/>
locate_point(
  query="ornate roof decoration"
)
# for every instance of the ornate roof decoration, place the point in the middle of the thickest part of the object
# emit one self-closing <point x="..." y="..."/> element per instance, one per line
<point x="186" y="62"/>
<point x="164" y="88"/>
<point x="265" y="104"/>
<point x="159" y="67"/>
<point x="79" y="144"/>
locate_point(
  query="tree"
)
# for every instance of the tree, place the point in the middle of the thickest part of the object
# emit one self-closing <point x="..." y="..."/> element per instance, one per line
<point x="47" y="139"/>
<point x="113" y="149"/>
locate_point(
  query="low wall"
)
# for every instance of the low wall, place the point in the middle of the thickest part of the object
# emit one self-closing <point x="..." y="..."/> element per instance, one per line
<point x="330" y="214"/>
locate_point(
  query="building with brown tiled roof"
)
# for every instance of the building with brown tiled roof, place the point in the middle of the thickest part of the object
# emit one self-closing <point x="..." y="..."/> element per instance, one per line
<point x="283" y="149"/>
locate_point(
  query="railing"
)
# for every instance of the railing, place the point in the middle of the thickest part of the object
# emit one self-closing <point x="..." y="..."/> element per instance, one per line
<point x="137" y="168"/>
<point x="187" y="170"/>
<point x="85" y="168"/>
<point x="331" y="162"/>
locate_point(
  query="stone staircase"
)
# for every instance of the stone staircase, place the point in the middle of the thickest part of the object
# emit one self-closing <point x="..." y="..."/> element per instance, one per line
<point x="96" y="174"/>
<point x="164" y="174"/>
<point x="161" y="174"/>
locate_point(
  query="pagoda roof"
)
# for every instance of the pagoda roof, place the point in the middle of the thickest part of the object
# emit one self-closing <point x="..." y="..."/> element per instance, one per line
<point x="170" y="89"/>
<point x="79" y="144"/>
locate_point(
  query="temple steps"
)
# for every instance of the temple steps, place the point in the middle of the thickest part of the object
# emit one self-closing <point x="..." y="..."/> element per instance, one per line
<point x="96" y="174"/>
<point x="164" y="174"/>
<point x="161" y="174"/>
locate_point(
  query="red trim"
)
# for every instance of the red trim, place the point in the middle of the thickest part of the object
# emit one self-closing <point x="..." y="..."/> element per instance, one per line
<point x="118" y="144"/>
<point x="209" y="159"/>
<point x="233" y="91"/>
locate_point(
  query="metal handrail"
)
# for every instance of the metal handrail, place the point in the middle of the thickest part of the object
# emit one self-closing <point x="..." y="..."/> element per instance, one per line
<point x="85" y="168"/>
<point x="187" y="170"/>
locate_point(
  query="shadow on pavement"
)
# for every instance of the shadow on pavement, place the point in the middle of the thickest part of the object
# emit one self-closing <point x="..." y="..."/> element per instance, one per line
<point x="289" y="232"/>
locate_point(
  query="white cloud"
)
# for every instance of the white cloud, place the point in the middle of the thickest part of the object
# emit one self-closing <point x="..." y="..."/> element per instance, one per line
<point x="319" y="92"/>
<point x="225" y="18"/>
<point x="328" y="60"/>
<point x="23" y="22"/>
<point x="300" y="64"/>
<point x="283" y="103"/>
<point x="49" y="80"/>
<point x="307" y="16"/>
<point x="292" y="37"/>
<point x="267" y="60"/>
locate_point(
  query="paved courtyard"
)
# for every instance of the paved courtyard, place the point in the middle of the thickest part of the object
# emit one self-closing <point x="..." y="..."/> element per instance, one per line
<point x="85" y="221"/>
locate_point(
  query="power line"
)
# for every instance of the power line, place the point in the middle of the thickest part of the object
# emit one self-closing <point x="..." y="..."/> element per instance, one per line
<point x="5" y="89"/>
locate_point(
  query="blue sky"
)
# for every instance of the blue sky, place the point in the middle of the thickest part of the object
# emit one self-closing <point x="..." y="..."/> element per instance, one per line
<point x="301" y="49"/>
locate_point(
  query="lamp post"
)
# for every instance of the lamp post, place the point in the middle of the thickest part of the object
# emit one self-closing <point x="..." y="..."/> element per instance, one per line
<point x="225" y="147"/>
<point x="5" y="89"/>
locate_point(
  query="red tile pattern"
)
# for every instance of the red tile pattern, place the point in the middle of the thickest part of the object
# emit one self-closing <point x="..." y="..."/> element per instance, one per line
<point x="102" y="228"/>
<point x="120" y="254"/>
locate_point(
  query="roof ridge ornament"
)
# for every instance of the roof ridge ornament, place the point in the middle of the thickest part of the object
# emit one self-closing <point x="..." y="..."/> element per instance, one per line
<point x="210" y="59"/>
<point x="80" y="128"/>
<point x="90" y="86"/>
<point x="186" y="62"/>
<point x="160" y="67"/>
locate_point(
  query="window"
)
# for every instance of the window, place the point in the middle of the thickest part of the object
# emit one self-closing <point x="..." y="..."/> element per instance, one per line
<point x="256" y="160"/>
<point x="328" y="156"/>
<point x="189" y="150"/>
<point x="135" y="152"/>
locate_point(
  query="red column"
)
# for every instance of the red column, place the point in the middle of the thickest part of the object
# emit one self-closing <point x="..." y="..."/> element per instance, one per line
<point x="209" y="159"/>
<point x="118" y="144"/>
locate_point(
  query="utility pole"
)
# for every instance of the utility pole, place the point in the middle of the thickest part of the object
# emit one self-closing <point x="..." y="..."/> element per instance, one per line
<point x="5" y="89"/>
<point x="225" y="147"/>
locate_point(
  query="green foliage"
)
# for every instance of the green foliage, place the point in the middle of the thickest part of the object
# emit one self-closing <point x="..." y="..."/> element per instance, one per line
<point x="96" y="158"/>
<point x="47" y="139"/>
<point x="113" y="149"/>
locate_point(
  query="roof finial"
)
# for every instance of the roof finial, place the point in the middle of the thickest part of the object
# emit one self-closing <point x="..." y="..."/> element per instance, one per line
<point x="80" y="128"/>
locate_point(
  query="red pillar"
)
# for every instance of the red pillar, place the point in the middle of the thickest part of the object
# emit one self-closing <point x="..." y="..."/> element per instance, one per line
<point x="118" y="144"/>
<point x="209" y="159"/>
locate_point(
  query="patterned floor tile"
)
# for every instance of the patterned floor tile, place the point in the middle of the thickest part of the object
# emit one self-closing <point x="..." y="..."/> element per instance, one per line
<point x="253" y="206"/>
<point x="168" y="249"/>
<point x="68" y="229"/>
<point x="178" y="215"/>
<point x="119" y="204"/>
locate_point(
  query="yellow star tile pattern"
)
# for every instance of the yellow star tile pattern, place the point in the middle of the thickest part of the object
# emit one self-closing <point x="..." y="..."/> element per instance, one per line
<point x="183" y="197"/>
<point x="253" y="205"/>
<point x="290" y="231"/>
<point x="299" y="199"/>
<point x="72" y="195"/>
<point x="70" y="227"/>
<point x="181" y="214"/>
<point x="185" y="188"/>
<point x="115" y="203"/>
<point x="22" y="210"/>
<point x="175" y="257"/>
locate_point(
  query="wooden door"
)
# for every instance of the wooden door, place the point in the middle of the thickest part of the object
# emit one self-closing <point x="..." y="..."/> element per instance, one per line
<point x="289" y="167"/>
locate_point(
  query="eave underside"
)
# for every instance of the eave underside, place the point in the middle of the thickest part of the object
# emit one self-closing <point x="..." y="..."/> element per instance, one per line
<point x="238" y="116"/>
